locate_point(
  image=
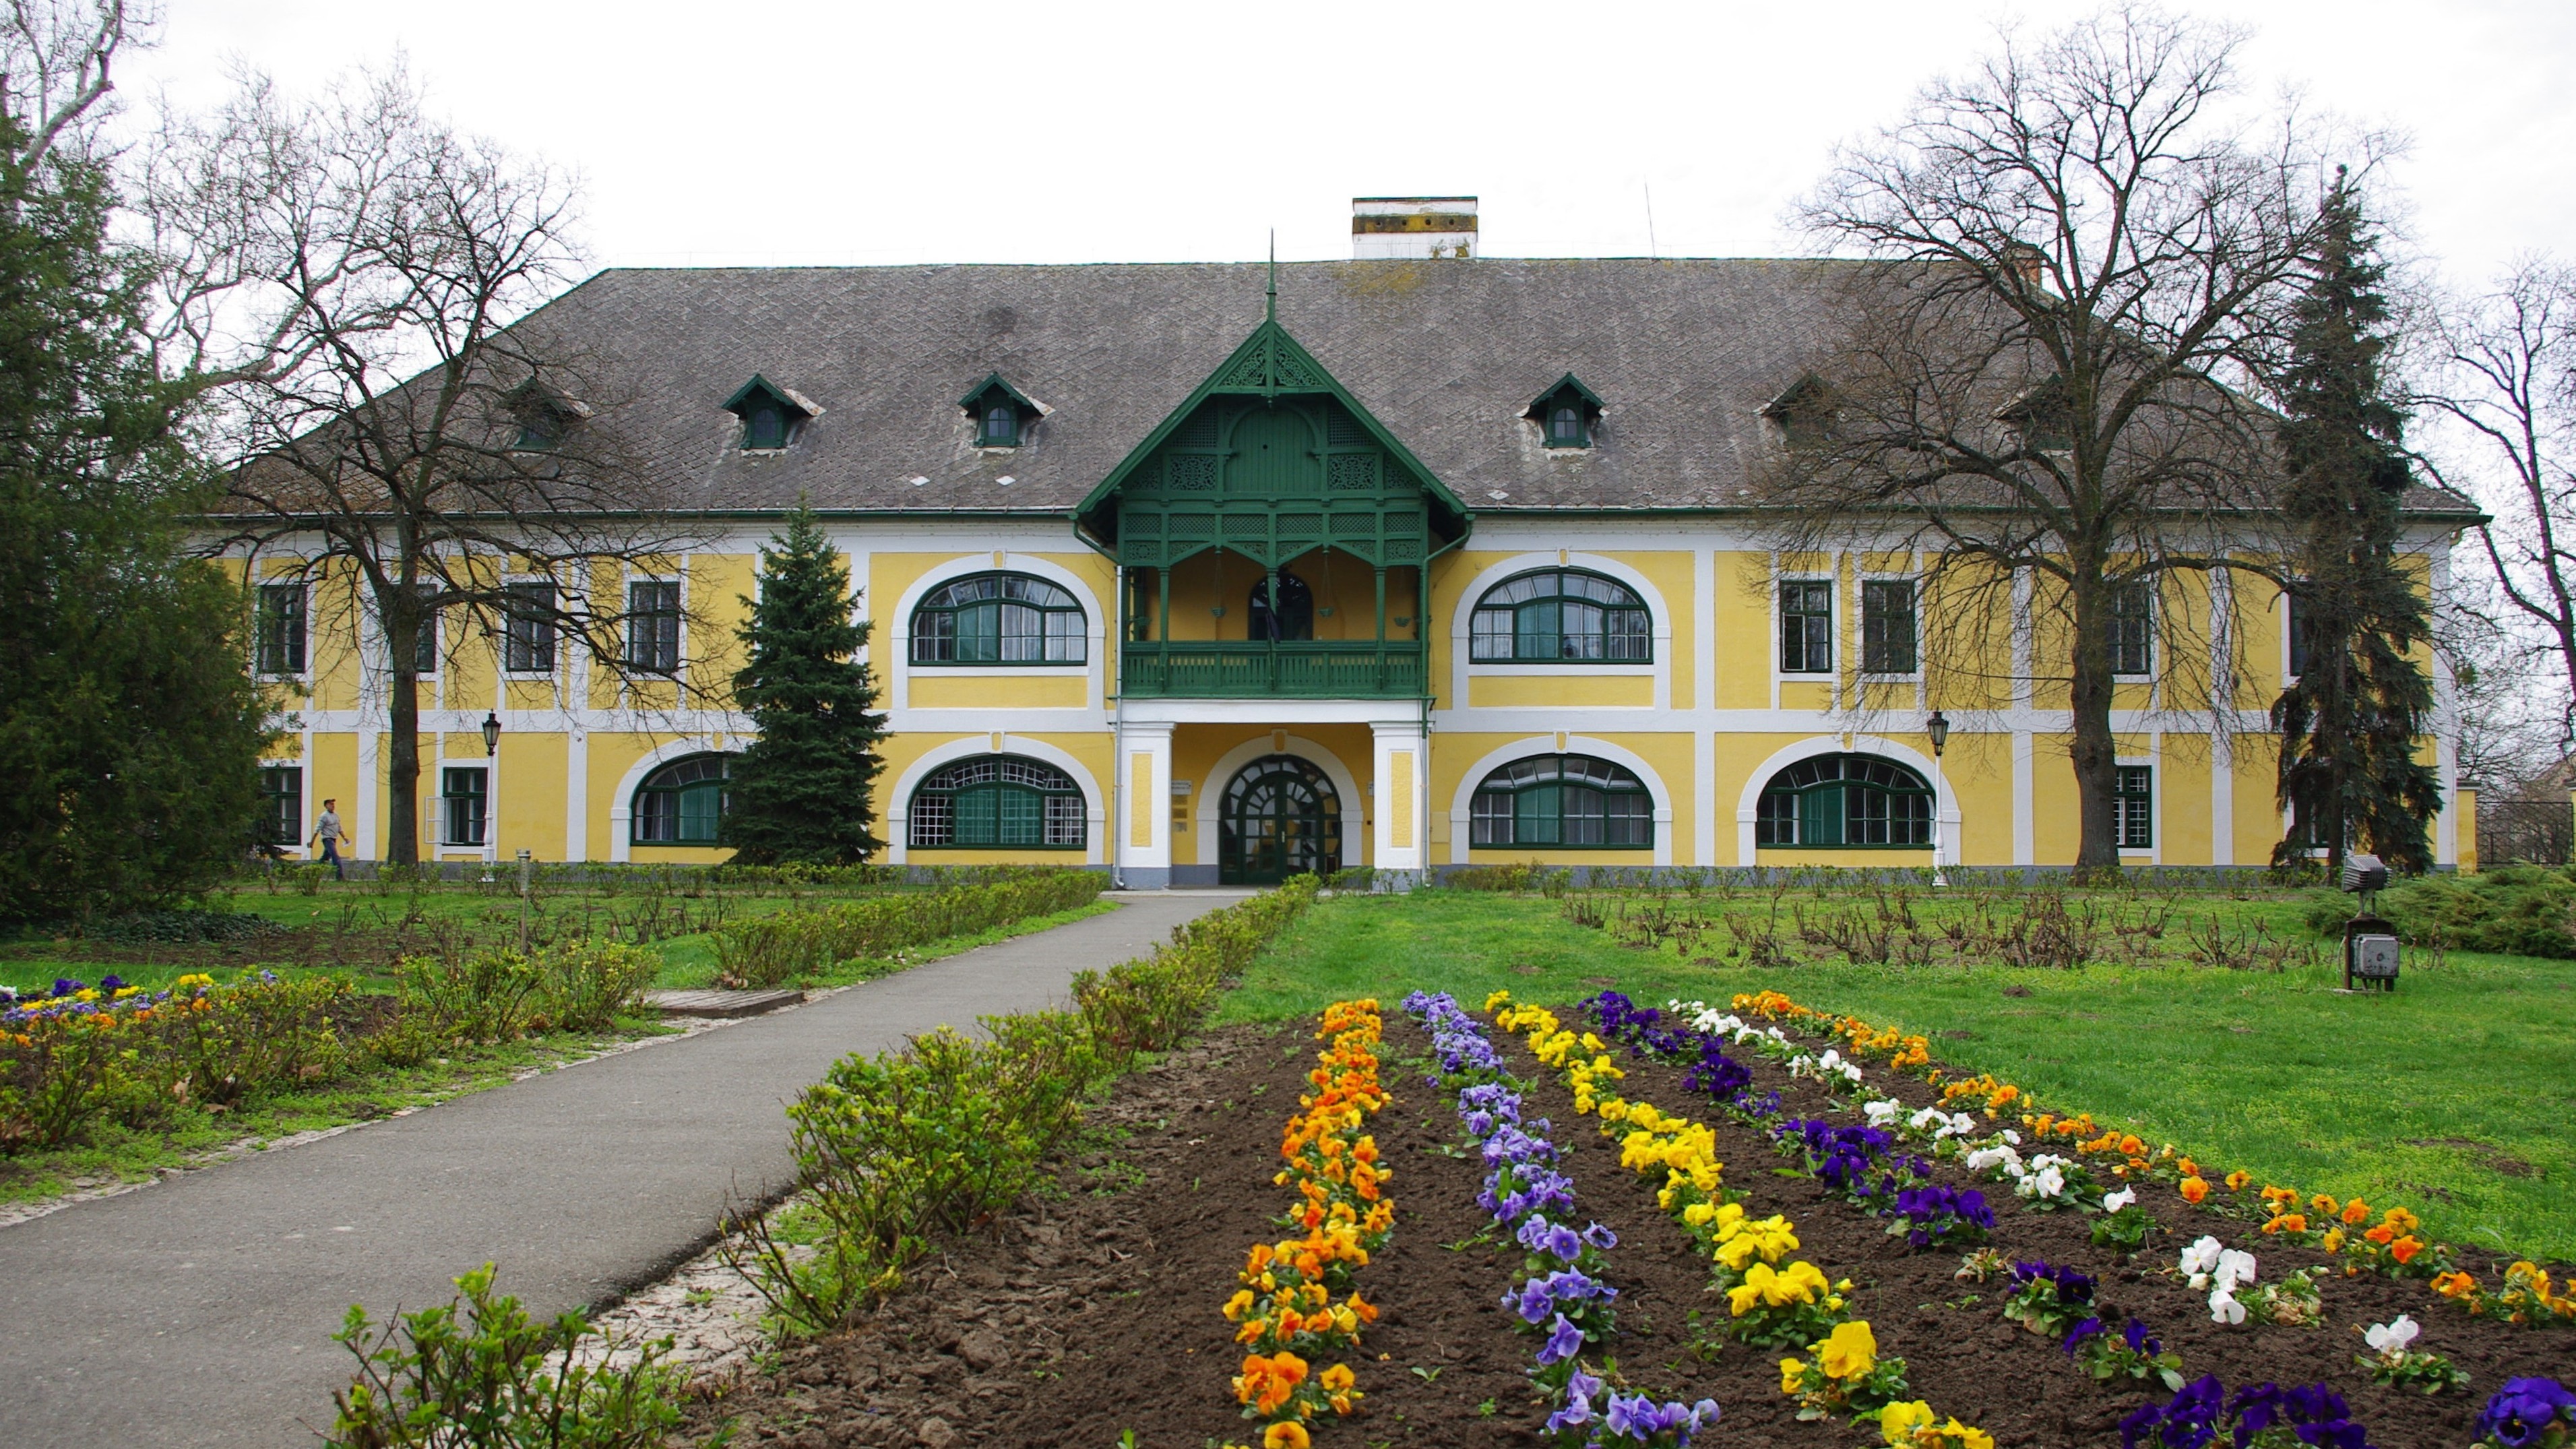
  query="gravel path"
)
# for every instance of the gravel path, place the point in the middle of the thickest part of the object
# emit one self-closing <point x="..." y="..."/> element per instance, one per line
<point x="200" y="1311"/>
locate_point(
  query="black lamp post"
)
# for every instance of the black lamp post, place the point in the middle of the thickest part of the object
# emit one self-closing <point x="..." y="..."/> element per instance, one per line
<point x="1938" y="727"/>
<point x="492" y="735"/>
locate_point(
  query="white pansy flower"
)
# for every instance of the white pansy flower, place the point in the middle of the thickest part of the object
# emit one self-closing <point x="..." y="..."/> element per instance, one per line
<point x="2201" y="1256"/>
<point x="1923" y="1120"/>
<point x="1987" y="1159"/>
<point x="2007" y="1134"/>
<point x="2223" y="1307"/>
<point x="2051" y="1181"/>
<point x="2235" y="1266"/>
<point x="2391" y="1338"/>
<point x="1881" y="1113"/>
<point x="2113" y="1202"/>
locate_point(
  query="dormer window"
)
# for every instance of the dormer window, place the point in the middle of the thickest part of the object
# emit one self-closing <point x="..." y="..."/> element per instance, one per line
<point x="1000" y="412"/>
<point x="1805" y="412"/>
<point x="2044" y="416"/>
<point x="544" y="416"/>
<point x="771" y="415"/>
<point x="1566" y="413"/>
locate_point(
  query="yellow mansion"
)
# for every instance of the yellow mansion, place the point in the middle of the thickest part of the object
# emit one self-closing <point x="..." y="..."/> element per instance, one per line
<point x="1447" y="562"/>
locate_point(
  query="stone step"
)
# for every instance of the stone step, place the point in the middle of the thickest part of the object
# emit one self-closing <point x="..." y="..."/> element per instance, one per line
<point x="720" y="1003"/>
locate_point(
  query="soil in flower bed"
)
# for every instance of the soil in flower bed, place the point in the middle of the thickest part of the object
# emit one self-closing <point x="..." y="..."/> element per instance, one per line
<point x="1966" y="1360"/>
<point x="1091" y="1309"/>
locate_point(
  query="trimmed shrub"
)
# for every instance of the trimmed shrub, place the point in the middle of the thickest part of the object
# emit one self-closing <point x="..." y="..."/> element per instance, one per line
<point x="586" y="983"/>
<point x="804" y="943"/>
<point x="941" y="1135"/>
<point x="481" y="1372"/>
<point x="2522" y="910"/>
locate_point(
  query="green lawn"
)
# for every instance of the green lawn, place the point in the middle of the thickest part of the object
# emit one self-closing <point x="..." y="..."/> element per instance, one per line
<point x="2455" y="1095"/>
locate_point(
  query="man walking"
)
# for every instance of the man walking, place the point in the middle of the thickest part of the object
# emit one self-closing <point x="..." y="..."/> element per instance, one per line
<point x="327" y="834"/>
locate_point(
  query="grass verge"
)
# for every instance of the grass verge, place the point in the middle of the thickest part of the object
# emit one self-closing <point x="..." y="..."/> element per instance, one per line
<point x="195" y="1136"/>
<point x="2452" y="1095"/>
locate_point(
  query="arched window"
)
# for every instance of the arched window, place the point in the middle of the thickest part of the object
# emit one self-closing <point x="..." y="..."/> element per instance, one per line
<point x="764" y="428"/>
<point x="1565" y="426"/>
<point x="998" y="619"/>
<point x="1845" y="800"/>
<point x="1559" y="614"/>
<point x="1293" y="619"/>
<point x="998" y="800"/>
<point x="1563" y="800"/>
<point x="1002" y="426"/>
<point x="680" y="803"/>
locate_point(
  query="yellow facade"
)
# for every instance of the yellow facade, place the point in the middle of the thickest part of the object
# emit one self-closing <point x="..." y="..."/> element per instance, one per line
<point x="1702" y="732"/>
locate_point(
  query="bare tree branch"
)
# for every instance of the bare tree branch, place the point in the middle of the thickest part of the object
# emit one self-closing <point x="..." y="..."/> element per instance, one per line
<point x="358" y="292"/>
<point x="2084" y="275"/>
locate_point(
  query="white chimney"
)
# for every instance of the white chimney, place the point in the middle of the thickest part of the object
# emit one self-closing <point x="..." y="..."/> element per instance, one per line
<point x="1412" y="227"/>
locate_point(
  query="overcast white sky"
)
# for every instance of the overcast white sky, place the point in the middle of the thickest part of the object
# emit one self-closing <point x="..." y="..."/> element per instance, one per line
<point x="1071" y="132"/>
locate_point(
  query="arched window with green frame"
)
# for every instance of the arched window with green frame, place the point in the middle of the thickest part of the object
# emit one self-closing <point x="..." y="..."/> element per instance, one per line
<point x="1571" y="800"/>
<point x="680" y="803"/>
<point x="999" y="618"/>
<point x="1552" y="616"/>
<point x="997" y="801"/>
<point x="1845" y="800"/>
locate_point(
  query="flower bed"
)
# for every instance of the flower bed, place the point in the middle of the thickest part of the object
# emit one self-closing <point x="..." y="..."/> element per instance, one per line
<point x="1563" y="1299"/>
<point x="2267" y="1334"/>
<point x="1284" y="1313"/>
<point x="2059" y="1315"/>
<point x="2379" y="1240"/>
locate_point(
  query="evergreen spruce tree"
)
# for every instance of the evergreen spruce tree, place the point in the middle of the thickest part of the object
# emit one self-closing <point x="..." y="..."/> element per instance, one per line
<point x="2350" y="725"/>
<point x="805" y="790"/>
<point x="130" y="731"/>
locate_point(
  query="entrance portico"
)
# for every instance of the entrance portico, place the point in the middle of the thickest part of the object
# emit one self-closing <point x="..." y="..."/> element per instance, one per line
<point x="1222" y="791"/>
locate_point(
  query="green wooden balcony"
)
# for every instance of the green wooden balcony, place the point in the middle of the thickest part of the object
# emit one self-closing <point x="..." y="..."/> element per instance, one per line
<point x="1243" y="669"/>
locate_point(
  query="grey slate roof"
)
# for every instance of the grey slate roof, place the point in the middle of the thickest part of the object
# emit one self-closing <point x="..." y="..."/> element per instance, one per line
<point x="1446" y="354"/>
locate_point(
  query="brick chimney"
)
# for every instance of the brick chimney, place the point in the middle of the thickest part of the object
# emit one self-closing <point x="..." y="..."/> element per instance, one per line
<point x="1412" y="227"/>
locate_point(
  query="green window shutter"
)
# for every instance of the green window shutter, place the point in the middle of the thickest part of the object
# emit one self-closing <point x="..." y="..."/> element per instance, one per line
<point x="1538" y="631"/>
<point x="978" y="813"/>
<point x="979" y="634"/>
<point x="1534" y="813"/>
<point x="1820" y="816"/>
<point x="1022" y="815"/>
<point x="700" y="805"/>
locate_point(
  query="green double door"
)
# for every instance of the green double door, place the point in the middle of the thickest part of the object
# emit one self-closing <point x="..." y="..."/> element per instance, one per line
<point x="1279" y="817"/>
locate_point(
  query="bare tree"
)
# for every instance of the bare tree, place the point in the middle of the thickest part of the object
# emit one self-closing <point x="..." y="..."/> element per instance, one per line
<point x="2507" y="381"/>
<point x="349" y="282"/>
<point x="2046" y="388"/>
<point x="55" y="59"/>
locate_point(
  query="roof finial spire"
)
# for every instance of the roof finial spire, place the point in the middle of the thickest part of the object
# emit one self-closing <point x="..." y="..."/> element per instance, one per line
<point x="1270" y="307"/>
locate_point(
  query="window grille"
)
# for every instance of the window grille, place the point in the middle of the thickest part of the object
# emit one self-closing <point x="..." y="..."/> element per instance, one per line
<point x="2134" y="794"/>
<point x="999" y="619"/>
<point x="1844" y="800"/>
<point x="681" y="803"/>
<point x="997" y="801"/>
<point x="1568" y="800"/>
<point x="1555" y="615"/>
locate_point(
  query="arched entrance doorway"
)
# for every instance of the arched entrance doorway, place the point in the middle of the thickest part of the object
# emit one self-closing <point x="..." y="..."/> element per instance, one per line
<point x="1279" y="817"/>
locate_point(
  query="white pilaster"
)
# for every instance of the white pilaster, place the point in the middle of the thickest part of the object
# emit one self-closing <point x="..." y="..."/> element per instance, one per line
<point x="1144" y="819"/>
<point x="1399" y="805"/>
